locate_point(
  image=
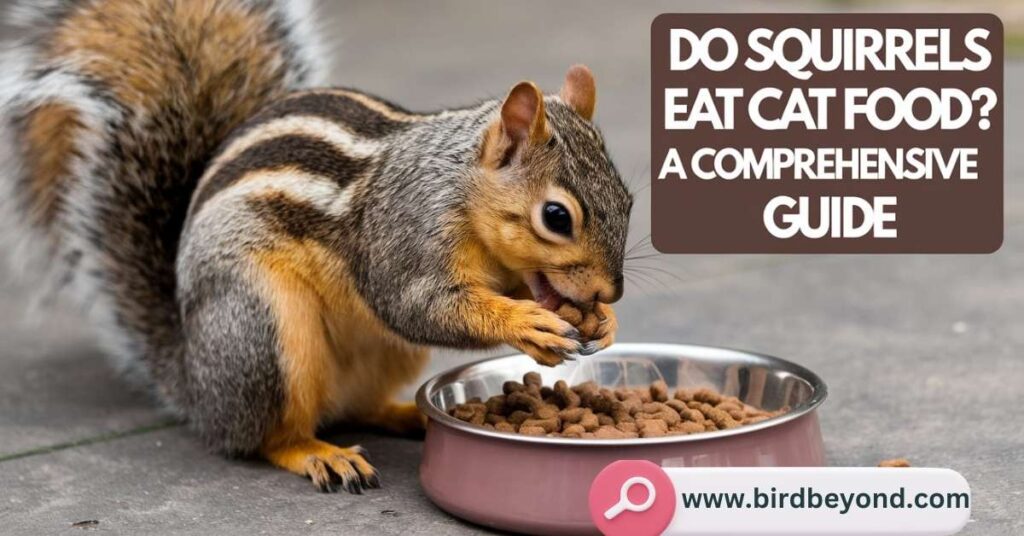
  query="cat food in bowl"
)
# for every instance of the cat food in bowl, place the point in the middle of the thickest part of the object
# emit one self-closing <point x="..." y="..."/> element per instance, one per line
<point x="536" y="481"/>
<point x="588" y="411"/>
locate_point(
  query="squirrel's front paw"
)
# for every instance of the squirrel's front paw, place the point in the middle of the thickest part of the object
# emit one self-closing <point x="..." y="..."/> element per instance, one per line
<point x="544" y="336"/>
<point x="596" y="324"/>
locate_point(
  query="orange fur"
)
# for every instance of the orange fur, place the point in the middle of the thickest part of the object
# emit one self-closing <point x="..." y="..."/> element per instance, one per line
<point x="339" y="359"/>
<point x="401" y="418"/>
<point x="474" y="264"/>
<point x="106" y="38"/>
<point x="305" y="353"/>
<point x="49" y="138"/>
<point x="499" y="216"/>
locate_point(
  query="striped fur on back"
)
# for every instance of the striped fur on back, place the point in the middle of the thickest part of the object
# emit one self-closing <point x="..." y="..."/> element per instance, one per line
<point x="384" y="190"/>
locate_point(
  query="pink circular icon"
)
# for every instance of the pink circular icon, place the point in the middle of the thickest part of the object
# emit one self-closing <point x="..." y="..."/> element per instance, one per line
<point x="632" y="497"/>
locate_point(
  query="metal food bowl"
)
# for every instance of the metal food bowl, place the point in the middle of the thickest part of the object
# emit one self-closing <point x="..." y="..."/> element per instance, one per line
<point x="539" y="485"/>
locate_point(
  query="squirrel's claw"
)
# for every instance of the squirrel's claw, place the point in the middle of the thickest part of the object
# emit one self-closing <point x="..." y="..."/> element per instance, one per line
<point x="330" y="467"/>
<point x="590" y="348"/>
<point x="351" y="474"/>
<point x="606" y="328"/>
<point x="575" y="335"/>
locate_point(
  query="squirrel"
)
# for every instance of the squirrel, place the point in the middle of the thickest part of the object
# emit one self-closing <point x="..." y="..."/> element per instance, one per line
<point x="270" y="255"/>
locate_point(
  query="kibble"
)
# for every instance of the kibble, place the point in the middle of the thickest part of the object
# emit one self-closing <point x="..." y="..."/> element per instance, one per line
<point x="588" y="411"/>
<point x="895" y="462"/>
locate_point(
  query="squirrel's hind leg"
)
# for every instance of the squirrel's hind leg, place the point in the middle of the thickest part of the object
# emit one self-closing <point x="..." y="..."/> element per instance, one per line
<point x="309" y="369"/>
<point x="258" y="369"/>
<point x="402" y="418"/>
<point x="378" y="367"/>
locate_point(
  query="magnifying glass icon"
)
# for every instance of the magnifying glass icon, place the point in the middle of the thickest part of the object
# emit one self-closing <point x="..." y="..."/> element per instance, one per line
<point x="624" y="502"/>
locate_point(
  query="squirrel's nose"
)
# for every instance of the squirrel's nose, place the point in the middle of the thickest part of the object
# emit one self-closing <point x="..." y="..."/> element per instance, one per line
<point x="610" y="293"/>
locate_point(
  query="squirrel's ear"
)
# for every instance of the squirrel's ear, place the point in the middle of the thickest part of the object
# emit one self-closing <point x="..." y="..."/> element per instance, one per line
<point x="522" y="115"/>
<point x="579" y="91"/>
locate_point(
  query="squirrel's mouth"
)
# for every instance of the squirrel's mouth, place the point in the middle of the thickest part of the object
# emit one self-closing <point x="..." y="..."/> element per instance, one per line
<point x="543" y="292"/>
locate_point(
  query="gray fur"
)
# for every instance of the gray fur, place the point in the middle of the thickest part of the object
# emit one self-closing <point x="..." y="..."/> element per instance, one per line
<point x="234" y="389"/>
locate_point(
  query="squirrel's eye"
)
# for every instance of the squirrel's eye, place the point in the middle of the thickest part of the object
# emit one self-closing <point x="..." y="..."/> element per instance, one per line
<point x="557" y="218"/>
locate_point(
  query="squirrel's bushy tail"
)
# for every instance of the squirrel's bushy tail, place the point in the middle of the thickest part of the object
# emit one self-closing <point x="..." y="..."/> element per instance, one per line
<point x="109" y="112"/>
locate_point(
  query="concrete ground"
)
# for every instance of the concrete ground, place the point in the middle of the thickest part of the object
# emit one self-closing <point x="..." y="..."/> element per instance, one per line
<point x="921" y="353"/>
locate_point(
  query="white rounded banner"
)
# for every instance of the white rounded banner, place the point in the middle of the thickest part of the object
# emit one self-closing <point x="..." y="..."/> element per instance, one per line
<point x="819" y="501"/>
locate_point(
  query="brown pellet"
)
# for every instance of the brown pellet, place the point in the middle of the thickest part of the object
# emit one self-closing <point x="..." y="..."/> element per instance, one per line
<point x="652" y="427"/>
<point x="692" y="415"/>
<point x="678" y="405"/>
<point x="570" y="314"/>
<point x="683" y="395"/>
<point x="511" y="386"/>
<point x="573" y="430"/>
<point x="627" y="427"/>
<point x="517" y="417"/>
<point x="589" y="421"/>
<point x="659" y="391"/>
<point x="523" y="400"/>
<point x="644" y="393"/>
<point x="610" y="432"/>
<point x="567" y="397"/>
<point x="496" y="405"/>
<point x="705" y="395"/>
<point x="589" y="325"/>
<point x="895" y="462"/>
<point x="546" y="412"/>
<point x="549" y="425"/>
<point x="505" y="427"/>
<point x="621" y="416"/>
<point x="688" y="427"/>
<point x="571" y="415"/>
<point x="631" y="403"/>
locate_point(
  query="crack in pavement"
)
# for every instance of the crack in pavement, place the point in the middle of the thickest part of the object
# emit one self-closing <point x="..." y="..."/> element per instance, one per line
<point x="102" y="438"/>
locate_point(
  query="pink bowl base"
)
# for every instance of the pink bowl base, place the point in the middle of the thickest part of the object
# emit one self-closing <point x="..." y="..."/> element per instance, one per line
<point x="542" y="489"/>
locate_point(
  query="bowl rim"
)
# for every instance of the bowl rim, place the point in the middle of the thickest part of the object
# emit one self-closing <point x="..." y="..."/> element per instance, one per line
<point x="818" y="396"/>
